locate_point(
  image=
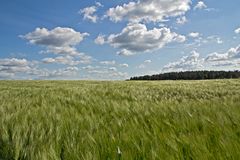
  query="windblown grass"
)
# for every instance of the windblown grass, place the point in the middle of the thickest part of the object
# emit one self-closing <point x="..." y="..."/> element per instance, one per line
<point x="70" y="120"/>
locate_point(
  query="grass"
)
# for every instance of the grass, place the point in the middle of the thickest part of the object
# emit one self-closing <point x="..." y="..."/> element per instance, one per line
<point x="90" y="120"/>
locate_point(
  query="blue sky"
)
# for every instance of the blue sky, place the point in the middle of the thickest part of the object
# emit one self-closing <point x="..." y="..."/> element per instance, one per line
<point x="114" y="40"/>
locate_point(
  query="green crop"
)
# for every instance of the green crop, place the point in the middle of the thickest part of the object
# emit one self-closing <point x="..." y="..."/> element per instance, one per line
<point x="91" y="120"/>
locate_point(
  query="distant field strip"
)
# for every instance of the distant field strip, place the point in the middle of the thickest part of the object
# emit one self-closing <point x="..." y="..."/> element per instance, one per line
<point x="127" y="120"/>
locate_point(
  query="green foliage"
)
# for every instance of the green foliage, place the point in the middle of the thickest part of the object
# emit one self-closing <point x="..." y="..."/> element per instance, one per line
<point x="51" y="120"/>
<point x="191" y="75"/>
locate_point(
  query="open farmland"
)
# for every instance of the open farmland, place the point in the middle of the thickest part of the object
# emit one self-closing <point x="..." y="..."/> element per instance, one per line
<point x="91" y="120"/>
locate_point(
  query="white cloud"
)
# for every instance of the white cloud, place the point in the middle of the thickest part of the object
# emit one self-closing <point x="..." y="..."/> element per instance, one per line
<point x="215" y="39"/>
<point x="217" y="57"/>
<point x="233" y="53"/>
<point x="124" y="65"/>
<point x="191" y="62"/>
<point x="5" y="75"/>
<point x="10" y="68"/>
<point x="194" y="34"/>
<point x="219" y="40"/>
<point x="23" y="69"/>
<point x="141" y="66"/>
<point x="182" y="20"/>
<point x="113" y="69"/>
<point x="125" y="52"/>
<point x="136" y="38"/>
<point x="57" y="41"/>
<point x="65" y="72"/>
<point x="89" y="12"/>
<point x="62" y="73"/>
<point x="89" y="67"/>
<point x="108" y="62"/>
<point x="14" y="65"/>
<point x="13" y="62"/>
<point x="237" y="31"/>
<point x="100" y="40"/>
<point x="229" y="59"/>
<point x="98" y="4"/>
<point x="226" y="63"/>
<point x="199" y="41"/>
<point x="211" y="10"/>
<point x="67" y="60"/>
<point x="200" y="5"/>
<point x="57" y="37"/>
<point x="148" y="10"/>
<point x="99" y="72"/>
<point x="49" y="60"/>
<point x="148" y="61"/>
<point x="64" y="50"/>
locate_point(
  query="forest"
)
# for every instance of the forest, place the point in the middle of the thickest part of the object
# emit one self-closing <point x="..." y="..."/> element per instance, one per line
<point x="191" y="75"/>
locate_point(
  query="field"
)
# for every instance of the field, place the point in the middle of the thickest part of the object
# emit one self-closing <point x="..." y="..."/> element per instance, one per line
<point x="91" y="120"/>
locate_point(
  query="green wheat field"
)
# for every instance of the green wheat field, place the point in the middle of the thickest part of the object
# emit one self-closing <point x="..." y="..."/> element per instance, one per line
<point x="127" y="120"/>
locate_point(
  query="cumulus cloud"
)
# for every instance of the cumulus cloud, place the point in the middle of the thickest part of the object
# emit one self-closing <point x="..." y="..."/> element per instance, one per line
<point x="13" y="62"/>
<point x="215" y="39"/>
<point x="89" y="67"/>
<point x="11" y="67"/>
<point x="141" y="66"/>
<point x="217" y="57"/>
<point x="4" y="75"/>
<point x="99" y="72"/>
<point x="108" y="62"/>
<point x="113" y="69"/>
<point x="194" y="34"/>
<point x="57" y="41"/>
<point x="100" y="40"/>
<point x="148" y="61"/>
<point x="124" y="65"/>
<point x="219" y="41"/>
<point x="237" y="31"/>
<point x="200" y="5"/>
<point x="89" y="12"/>
<point x="215" y="60"/>
<point x="14" y="65"/>
<point x="136" y="38"/>
<point x="191" y="62"/>
<point x="60" y="73"/>
<point x="63" y="72"/>
<point x="148" y="10"/>
<point x="181" y="20"/>
<point x="64" y="50"/>
<point x="144" y="65"/>
<point x="125" y="52"/>
<point x="231" y="58"/>
<point x="199" y="40"/>
<point x="232" y="53"/>
<point x="226" y="63"/>
<point x="67" y="60"/>
<point x="15" y="69"/>
<point x="56" y="38"/>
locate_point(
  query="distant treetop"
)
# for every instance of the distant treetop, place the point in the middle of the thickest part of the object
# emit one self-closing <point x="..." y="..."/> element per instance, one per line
<point x="191" y="75"/>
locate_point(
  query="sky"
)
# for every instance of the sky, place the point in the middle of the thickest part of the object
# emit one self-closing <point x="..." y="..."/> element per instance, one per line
<point x="116" y="39"/>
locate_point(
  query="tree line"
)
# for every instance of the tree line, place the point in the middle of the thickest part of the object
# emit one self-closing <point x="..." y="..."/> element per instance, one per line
<point x="191" y="75"/>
